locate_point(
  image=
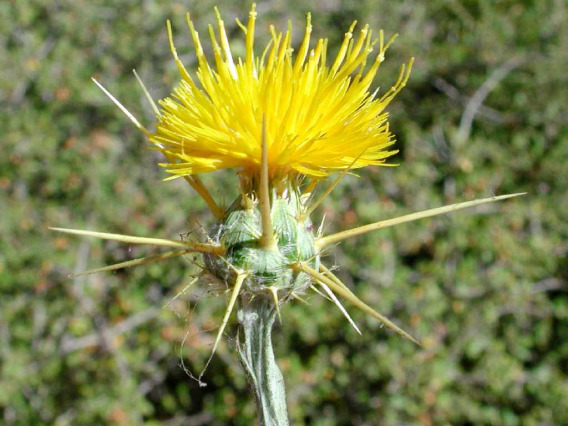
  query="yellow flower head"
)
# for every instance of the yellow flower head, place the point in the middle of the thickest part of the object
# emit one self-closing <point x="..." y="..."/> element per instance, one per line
<point x="318" y="117"/>
<point x="277" y="118"/>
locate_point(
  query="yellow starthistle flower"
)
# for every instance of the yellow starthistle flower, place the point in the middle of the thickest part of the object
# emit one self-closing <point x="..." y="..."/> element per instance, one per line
<point x="277" y="118"/>
<point x="319" y="116"/>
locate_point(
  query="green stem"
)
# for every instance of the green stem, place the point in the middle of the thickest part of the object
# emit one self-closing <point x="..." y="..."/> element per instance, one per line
<point x="256" y="318"/>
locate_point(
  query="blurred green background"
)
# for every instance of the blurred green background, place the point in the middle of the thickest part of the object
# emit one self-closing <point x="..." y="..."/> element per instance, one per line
<point x="485" y="290"/>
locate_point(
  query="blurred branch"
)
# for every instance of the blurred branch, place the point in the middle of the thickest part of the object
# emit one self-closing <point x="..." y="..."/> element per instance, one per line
<point x="549" y="284"/>
<point x="454" y="94"/>
<point x="198" y="419"/>
<point x="476" y="101"/>
<point x="83" y="254"/>
<point x="147" y="385"/>
<point x="20" y="89"/>
<point x="108" y="333"/>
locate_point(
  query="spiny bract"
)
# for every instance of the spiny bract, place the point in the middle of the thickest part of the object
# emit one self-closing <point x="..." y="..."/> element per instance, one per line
<point x="269" y="269"/>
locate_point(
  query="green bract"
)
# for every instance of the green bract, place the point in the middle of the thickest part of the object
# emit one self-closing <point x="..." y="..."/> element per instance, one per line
<point x="240" y="232"/>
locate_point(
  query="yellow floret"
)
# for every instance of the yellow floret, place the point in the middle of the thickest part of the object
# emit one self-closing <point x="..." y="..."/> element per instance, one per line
<point x="319" y="118"/>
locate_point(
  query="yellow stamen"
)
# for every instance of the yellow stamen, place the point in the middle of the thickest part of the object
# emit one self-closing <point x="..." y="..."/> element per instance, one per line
<point x="317" y="118"/>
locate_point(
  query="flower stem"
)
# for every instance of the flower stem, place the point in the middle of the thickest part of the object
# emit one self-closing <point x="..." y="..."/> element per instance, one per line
<point x="256" y="319"/>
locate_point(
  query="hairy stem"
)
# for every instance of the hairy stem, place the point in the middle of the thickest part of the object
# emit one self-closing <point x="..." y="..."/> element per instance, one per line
<point x="256" y="319"/>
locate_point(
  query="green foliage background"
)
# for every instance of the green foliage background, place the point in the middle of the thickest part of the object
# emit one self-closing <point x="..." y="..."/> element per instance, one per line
<point x="485" y="290"/>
